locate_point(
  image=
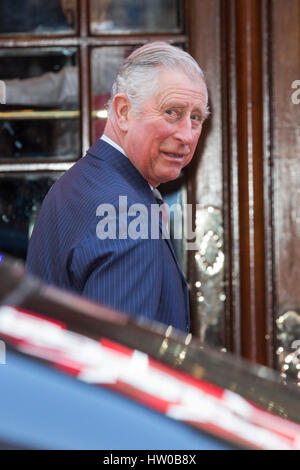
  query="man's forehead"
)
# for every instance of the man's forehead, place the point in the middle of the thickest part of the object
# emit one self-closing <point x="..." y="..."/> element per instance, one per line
<point x="177" y="85"/>
<point x="182" y="97"/>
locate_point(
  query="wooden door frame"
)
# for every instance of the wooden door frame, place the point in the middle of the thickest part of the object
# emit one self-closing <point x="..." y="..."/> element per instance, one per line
<point x="243" y="28"/>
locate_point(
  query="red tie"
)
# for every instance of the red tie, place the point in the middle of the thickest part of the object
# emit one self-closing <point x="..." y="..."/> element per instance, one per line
<point x="161" y="202"/>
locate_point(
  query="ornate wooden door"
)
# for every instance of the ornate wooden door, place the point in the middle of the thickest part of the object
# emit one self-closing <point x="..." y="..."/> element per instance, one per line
<point x="248" y="168"/>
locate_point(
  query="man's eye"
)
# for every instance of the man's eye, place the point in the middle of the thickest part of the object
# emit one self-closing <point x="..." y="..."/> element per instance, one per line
<point x="171" y="112"/>
<point x="173" y="115"/>
<point x="196" y="120"/>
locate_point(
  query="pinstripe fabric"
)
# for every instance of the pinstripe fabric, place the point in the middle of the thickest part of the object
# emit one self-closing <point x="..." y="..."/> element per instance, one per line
<point x="138" y="277"/>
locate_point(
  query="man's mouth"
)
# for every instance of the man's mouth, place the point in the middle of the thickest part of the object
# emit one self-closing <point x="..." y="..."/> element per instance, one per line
<point x="179" y="156"/>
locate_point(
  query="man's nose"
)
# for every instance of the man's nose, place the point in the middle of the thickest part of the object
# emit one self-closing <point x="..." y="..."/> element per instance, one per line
<point x="184" y="131"/>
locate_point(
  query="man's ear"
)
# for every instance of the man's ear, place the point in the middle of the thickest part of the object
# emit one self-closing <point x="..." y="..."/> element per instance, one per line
<point x="122" y="108"/>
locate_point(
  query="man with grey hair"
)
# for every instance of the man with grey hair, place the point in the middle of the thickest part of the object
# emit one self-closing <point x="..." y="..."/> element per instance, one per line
<point x="83" y="239"/>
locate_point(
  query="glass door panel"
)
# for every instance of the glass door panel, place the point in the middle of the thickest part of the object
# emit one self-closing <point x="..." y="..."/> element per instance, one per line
<point x="125" y="16"/>
<point x="37" y="17"/>
<point x="21" y="197"/>
<point x="40" y="119"/>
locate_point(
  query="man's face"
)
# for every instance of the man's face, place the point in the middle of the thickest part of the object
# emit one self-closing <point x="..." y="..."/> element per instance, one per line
<point x="162" y="136"/>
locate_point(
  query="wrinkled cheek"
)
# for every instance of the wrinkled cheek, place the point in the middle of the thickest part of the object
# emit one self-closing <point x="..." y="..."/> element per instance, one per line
<point x="193" y="150"/>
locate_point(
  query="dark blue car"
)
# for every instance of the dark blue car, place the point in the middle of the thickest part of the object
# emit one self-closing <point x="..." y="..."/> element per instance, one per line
<point x="76" y="375"/>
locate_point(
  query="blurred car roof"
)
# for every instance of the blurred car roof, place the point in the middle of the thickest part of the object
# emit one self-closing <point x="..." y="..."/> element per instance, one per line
<point x="165" y="374"/>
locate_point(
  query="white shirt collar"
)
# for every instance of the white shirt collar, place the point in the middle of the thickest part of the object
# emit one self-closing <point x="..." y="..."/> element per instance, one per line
<point x="112" y="143"/>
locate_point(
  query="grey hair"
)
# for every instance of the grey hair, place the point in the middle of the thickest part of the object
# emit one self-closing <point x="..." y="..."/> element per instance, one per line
<point x="138" y="75"/>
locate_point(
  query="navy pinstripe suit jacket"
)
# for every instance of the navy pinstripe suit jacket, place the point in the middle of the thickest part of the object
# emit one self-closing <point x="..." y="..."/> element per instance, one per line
<point x="136" y="276"/>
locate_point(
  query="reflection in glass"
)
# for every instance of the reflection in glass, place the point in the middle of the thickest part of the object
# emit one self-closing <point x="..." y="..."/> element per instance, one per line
<point x="40" y="118"/>
<point x="109" y="16"/>
<point x="37" y="16"/>
<point x="174" y="195"/>
<point x="20" y="201"/>
<point x="106" y="62"/>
